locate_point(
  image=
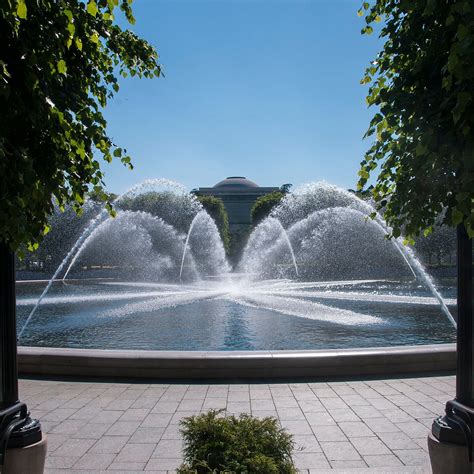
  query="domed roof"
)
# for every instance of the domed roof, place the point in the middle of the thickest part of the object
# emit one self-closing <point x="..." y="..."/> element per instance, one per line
<point x="236" y="182"/>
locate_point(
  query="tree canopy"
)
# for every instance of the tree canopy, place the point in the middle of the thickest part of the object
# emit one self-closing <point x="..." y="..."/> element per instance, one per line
<point x="422" y="85"/>
<point x="59" y="64"/>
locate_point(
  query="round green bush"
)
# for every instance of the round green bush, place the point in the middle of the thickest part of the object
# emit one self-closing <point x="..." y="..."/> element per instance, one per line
<point x="217" y="444"/>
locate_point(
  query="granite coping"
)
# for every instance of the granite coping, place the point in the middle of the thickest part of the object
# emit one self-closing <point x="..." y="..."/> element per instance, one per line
<point x="232" y="364"/>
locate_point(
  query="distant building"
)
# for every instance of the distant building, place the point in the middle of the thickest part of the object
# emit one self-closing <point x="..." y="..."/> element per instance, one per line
<point x="238" y="195"/>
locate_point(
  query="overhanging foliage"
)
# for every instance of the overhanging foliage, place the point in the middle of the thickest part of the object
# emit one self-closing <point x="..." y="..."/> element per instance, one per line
<point x="422" y="83"/>
<point x="59" y="64"/>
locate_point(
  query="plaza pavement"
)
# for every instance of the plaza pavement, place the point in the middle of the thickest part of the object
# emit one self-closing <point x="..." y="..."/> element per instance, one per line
<point x="373" y="426"/>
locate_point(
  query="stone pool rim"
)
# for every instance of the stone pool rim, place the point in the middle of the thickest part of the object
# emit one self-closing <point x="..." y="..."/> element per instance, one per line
<point x="145" y="364"/>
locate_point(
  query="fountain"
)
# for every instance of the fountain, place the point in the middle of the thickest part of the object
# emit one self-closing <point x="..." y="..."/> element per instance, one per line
<point x="314" y="274"/>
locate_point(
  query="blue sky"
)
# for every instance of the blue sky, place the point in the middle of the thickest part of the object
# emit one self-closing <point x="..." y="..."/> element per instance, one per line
<point x="266" y="89"/>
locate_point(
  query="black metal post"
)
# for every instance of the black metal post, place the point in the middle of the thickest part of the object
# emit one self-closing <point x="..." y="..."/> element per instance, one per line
<point x="465" y="336"/>
<point x="457" y="426"/>
<point x="17" y="429"/>
<point x="9" y="376"/>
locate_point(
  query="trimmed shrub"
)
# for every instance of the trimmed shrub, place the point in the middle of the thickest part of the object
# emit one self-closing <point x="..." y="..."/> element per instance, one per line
<point x="214" y="443"/>
<point x="264" y="205"/>
<point x="215" y="208"/>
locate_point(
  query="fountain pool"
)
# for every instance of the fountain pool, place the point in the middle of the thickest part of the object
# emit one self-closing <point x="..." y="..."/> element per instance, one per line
<point x="316" y="274"/>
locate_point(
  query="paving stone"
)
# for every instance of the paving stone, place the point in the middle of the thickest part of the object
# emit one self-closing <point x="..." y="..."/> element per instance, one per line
<point x="306" y="444"/>
<point x="188" y="405"/>
<point x="364" y="412"/>
<point x="58" y="414"/>
<point x="329" y="433"/>
<point x="381" y="425"/>
<point x="148" y="435"/>
<point x="135" y="452"/>
<point x="343" y="389"/>
<point x="214" y="403"/>
<point x="382" y="460"/>
<point x="343" y="414"/>
<point x="333" y="403"/>
<point x="107" y="416"/>
<point x="156" y="420"/>
<point x="290" y="414"/>
<point x="94" y="461"/>
<point x="172" y="397"/>
<point x="262" y="404"/>
<point x="67" y="427"/>
<point x="413" y="429"/>
<point x="172" y="432"/>
<point x="86" y="413"/>
<point x="60" y="462"/>
<point x="238" y="407"/>
<point x="217" y="392"/>
<point x="74" y="447"/>
<point x="297" y="427"/>
<point x="260" y="394"/>
<point x="168" y="448"/>
<point x="396" y="415"/>
<point x="54" y="441"/>
<point x="310" y="460"/>
<point x="355" y="400"/>
<point x="342" y="466"/>
<point x="109" y="445"/>
<point x="235" y="387"/>
<point x="144" y="403"/>
<point x="100" y="402"/>
<point x="355" y="429"/>
<point x="165" y="407"/>
<point x="339" y="450"/>
<point x="366" y="446"/>
<point x="397" y="440"/>
<point x="238" y="396"/>
<point x="324" y="392"/>
<point x="169" y="464"/>
<point x="127" y="467"/>
<point x="123" y="428"/>
<point x="120" y="404"/>
<point x="417" y="411"/>
<point x="285" y="402"/>
<point x="91" y="430"/>
<point x="411" y="457"/>
<point x="265" y="413"/>
<point x="134" y="414"/>
<point x="304" y="395"/>
<point x="401" y="400"/>
<point x="382" y="404"/>
<point x="319" y="419"/>
<point x="309" y="406"/>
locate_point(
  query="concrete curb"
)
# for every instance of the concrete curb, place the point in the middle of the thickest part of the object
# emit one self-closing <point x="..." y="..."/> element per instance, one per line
<point x="236" y="364"/>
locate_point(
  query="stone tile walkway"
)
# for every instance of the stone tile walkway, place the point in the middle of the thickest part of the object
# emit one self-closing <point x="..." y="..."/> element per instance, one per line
<point x="376" y="426"/>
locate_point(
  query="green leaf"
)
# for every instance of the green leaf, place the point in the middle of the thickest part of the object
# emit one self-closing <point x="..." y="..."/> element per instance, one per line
<point x="92" y="8"/>
<point x="79" y="44"/>
<point x="21" y="9"/>
<point x="456" y="216"/>
<point x="94" y="38"/>
<point x="62" y="68"/>
<point x="428" y="231"/>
